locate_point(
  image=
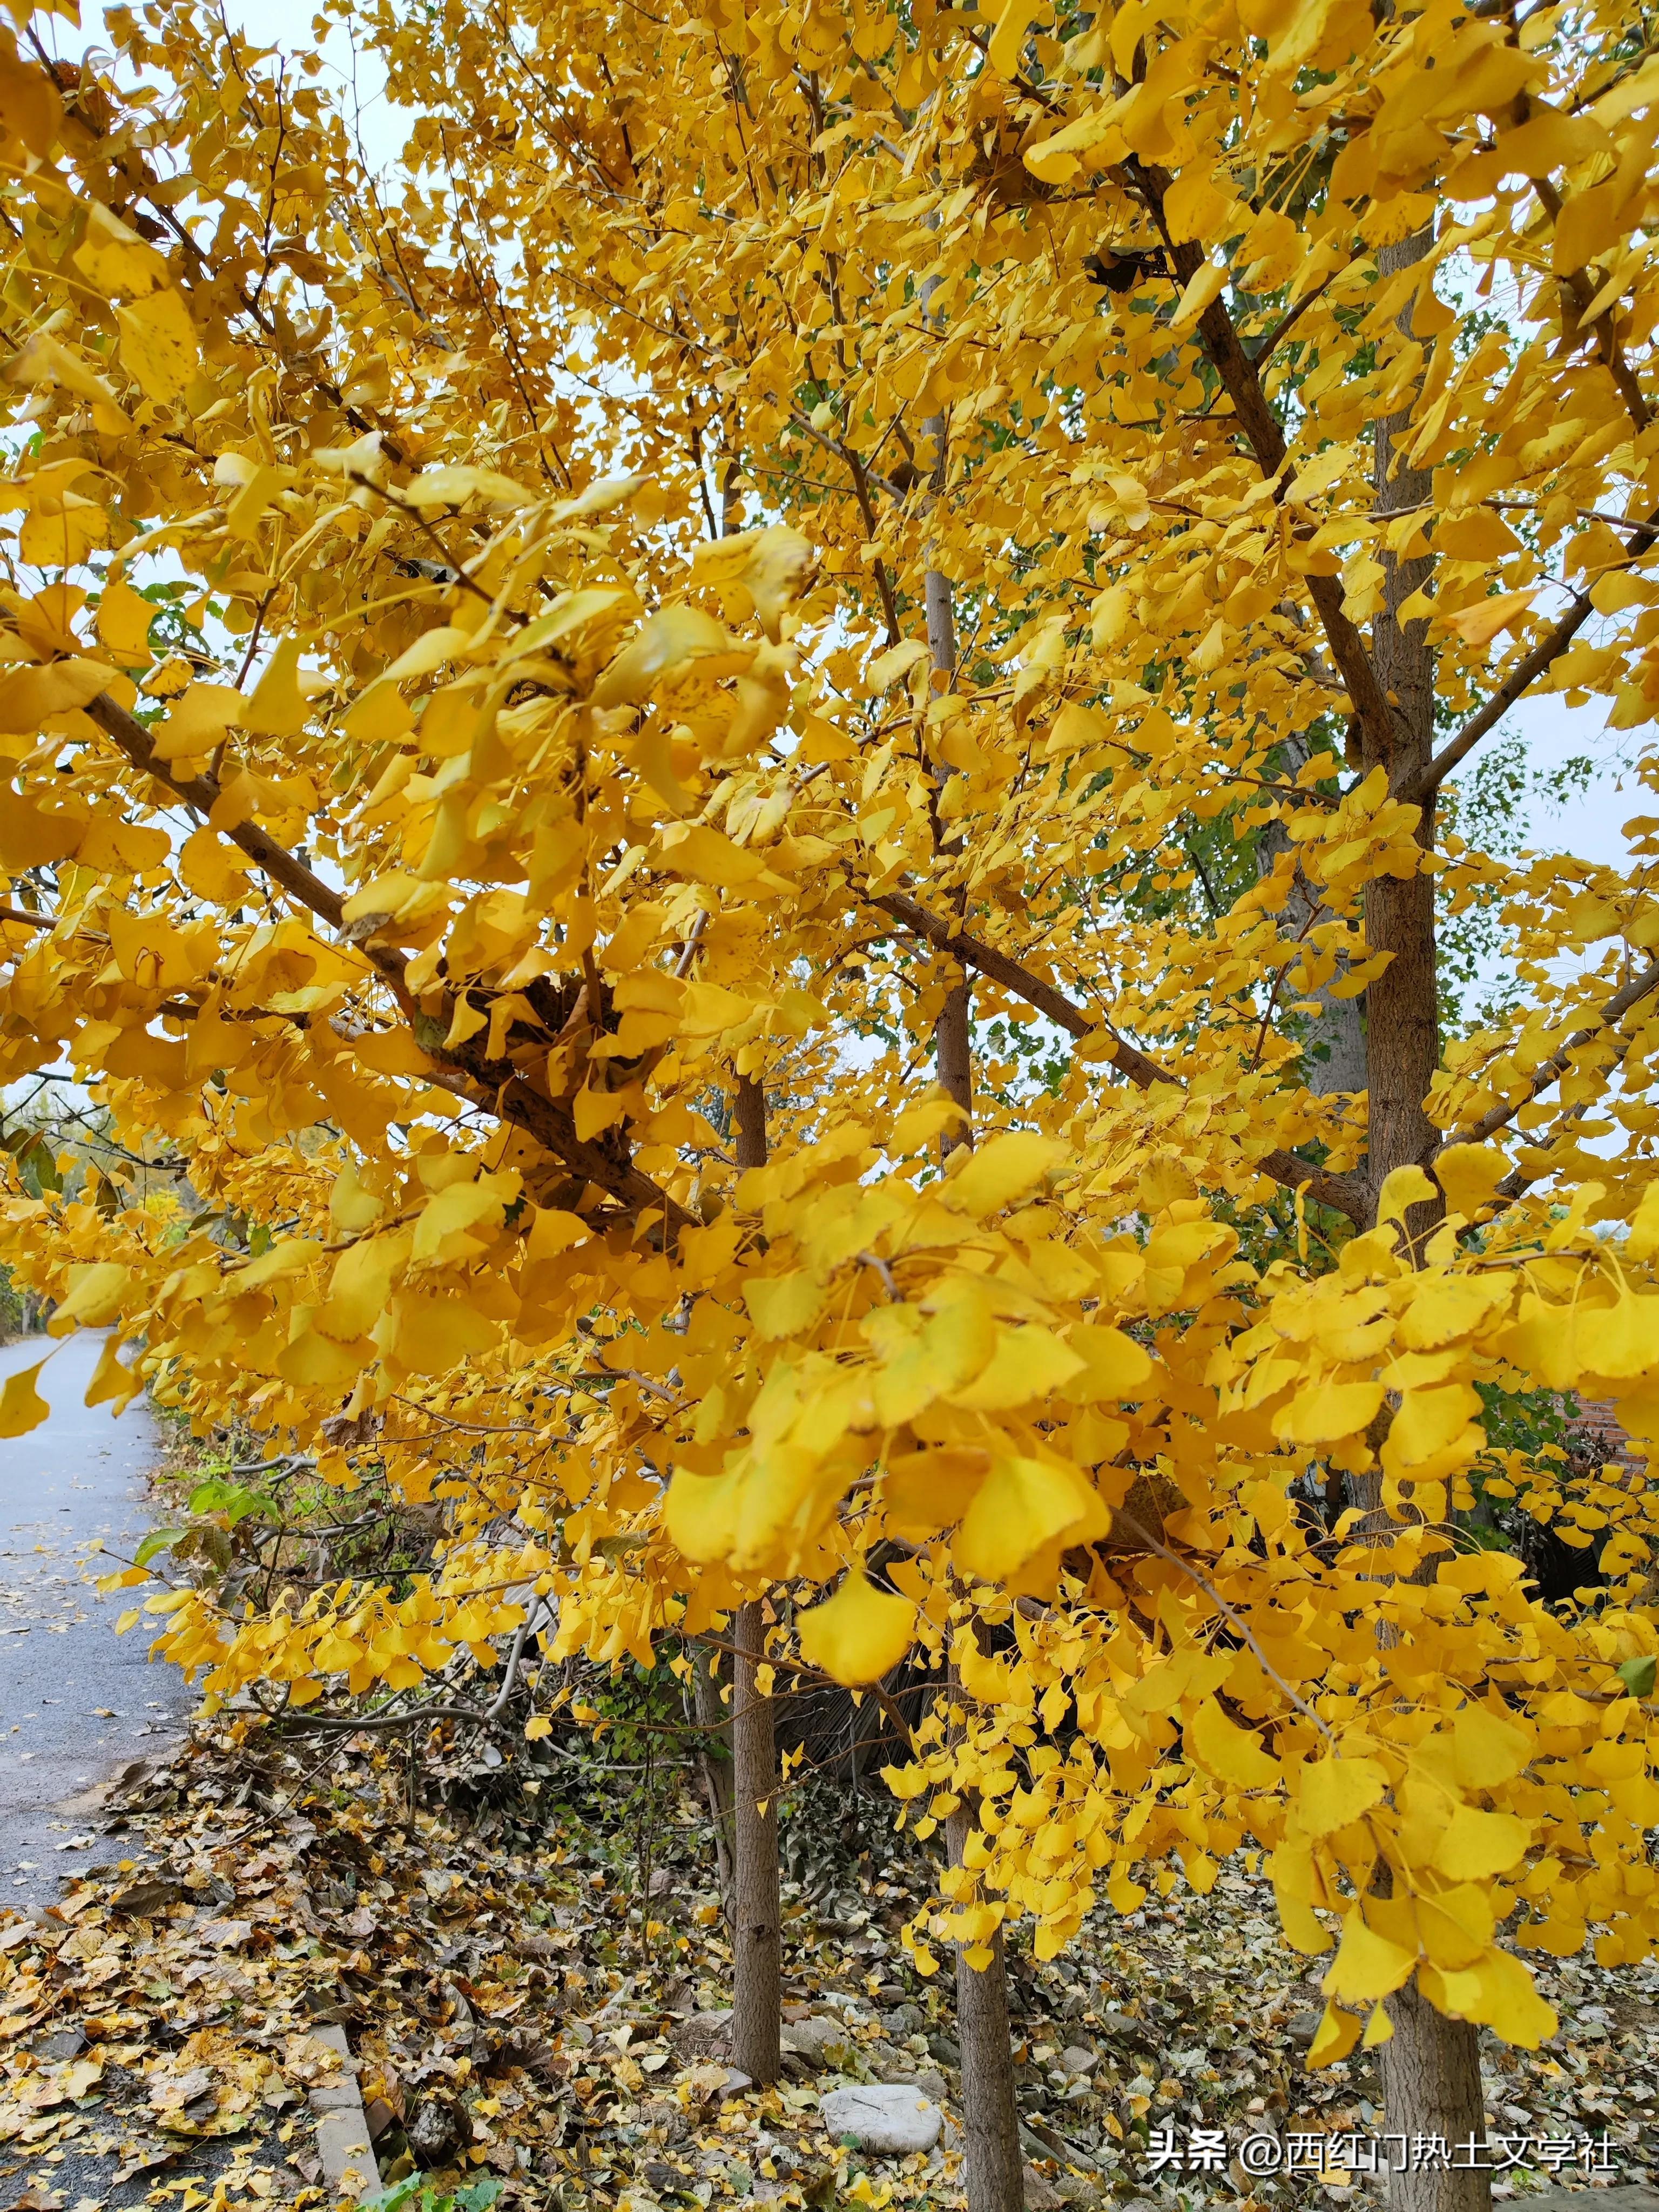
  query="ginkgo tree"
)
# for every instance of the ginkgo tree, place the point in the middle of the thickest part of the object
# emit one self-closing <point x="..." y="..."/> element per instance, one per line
<point x="1038" y="815"/>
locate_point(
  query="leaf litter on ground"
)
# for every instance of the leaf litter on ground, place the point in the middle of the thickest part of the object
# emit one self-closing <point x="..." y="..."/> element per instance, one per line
<point x="520" y="2010"/>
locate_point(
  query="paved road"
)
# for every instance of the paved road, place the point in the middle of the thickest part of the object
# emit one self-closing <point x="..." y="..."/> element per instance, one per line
<point x="76" y="1703"/>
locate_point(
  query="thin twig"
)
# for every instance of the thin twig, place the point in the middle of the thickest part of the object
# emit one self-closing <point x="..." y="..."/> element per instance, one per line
<point x="1126" y="1520"/>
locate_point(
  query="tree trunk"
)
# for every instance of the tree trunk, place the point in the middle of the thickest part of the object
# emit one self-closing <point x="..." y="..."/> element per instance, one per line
<point x="757" y="1951"/>
<point x="757" y="1948"/>
<point x="953" y="1057"/>
<point x="1431" y="2066"/>
<point x="1431" y="2073"/>
<point x="996" y="2179"/>
<point x="995" y="2174"/>
<point x="714" y="1758"/>
<point x="1333" y="1054"/>
<point x="953" y="1032"/>
<point x="1402" y="1006"/>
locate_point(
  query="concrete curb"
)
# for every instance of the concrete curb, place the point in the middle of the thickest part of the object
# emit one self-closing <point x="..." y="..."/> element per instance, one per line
<point x="342" y="2143"/>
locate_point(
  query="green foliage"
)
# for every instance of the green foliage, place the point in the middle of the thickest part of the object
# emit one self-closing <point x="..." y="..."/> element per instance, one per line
<point x="418" y="2194"/>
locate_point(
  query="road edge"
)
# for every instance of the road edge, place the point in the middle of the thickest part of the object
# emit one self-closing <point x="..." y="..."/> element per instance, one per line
<point x="342" y="2143"/>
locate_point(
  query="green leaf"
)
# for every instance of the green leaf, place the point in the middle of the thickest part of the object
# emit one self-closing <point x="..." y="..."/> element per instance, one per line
<point x="218" y="1495"/>
<point x="1637" y="1675"/>
<point x="158" y="1540"/>
<point x="395" y="2197"/>
<point x="37" y="1165"/>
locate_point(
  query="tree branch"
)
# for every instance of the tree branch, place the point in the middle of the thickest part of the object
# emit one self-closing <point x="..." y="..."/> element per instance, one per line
<point x="1547" y="1071"/>
<point x="1339" y="1192"/>
<point x="1261" y="426"/>
<point x="1423" y="787"/>
<point x="496" y="1085"/>
<point x="204" y="792"/>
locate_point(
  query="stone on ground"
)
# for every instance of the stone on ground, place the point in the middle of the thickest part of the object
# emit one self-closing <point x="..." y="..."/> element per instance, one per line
<point x="814" y="2038"/>
<point x="891" y="2118"/>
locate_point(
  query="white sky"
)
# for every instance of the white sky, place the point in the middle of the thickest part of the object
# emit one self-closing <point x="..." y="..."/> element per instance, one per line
<point x="288" y="24"/>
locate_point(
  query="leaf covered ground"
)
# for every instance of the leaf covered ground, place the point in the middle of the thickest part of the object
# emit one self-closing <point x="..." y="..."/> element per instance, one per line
<point x="518" y="2010"/>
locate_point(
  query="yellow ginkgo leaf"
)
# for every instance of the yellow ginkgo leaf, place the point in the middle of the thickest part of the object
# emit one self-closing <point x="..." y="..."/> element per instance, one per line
<point x="1366" y="1965"/>
<point x="1479" y="624"/>
<point x="1326" y="1412"/>
<point x="21" y="1405"/>
<point x="1429" y="1420"/>
<point x="159" y="347"/>
<point x="124" y="619"/>
<point x="1332" y="1792"/>
<point x="1489" y="1749"/>
<point x="97" y="1288"/>
<point x="112" y="1381"/>
<point x="1403" y="1187"/>
<point x="1334" y="2038"/>
<point x="1001" y="1170"/>
<point x="898" y="660"/>
<point x="212" y="867"/>
<point x="861" y="1633"/>
<point x="701" y="1513"/>
<point x="1024" y="1504"/>
<point x="781" y="1304"/>
<point x="706" y="856"/>
<point x="1114" y="1365"/>
<point x="674" y="641"/>
<point x="1477" y="1845"/>
<point x="1206" y="285"/>
<point x="1009" y="36"/>
<point x="30" y="103"/>
<point x="29" y="696"/>
<point x="1510" y="2003"/>
<point x="1230" y="1754"/>
<point x="199" y="720"/>
<point x="1469" y="1175"/>
<point x="452" y="486"/>
<point x="277" y="709"/>
<point x="1028" y="1363"/>
<point x="113" y="258"/>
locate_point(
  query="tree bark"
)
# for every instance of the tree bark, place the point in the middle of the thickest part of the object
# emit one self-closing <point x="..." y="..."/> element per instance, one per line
<point x="1402" y="1006"/>
<point x="953" y="1056"/>
<point x="1333" y="1053"/>
<point x="714" y="1758"/>
<point x="991" y="2119"/>
<point x="995" y="2174"/>
<point x="748" y="1119"/>
<point x="757" y="1945"/>
<point x="757" y="1949"/>
<point x="953" y="1031"/>
<point x="1431" y="2066"/>
<point x="1430" y="2075"/>
<point x="996" y="2179"/>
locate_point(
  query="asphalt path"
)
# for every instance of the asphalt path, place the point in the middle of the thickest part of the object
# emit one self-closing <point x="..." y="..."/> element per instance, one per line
<point x="77" y="1704"/>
